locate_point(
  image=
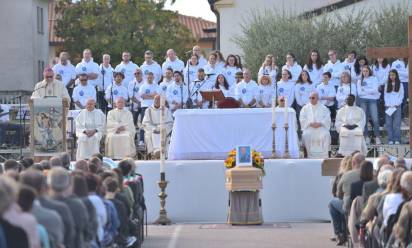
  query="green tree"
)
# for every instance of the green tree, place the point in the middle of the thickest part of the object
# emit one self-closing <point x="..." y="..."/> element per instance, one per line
<point x="277" y="32"/>
<point x="113" y="26"/>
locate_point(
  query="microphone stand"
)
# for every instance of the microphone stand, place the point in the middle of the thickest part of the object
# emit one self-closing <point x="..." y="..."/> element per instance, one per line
<point x="189" y="103"/>
<point x="104" y="90"/>
<point x="181" y="94"/>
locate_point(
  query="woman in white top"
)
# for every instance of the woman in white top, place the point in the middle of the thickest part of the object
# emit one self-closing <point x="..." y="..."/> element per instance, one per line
<point x="314" y="67"/>
<point x="402" y="67"/>
<point x="345" y="88"/>
<point x="266" y="92"/>
<point x="231" y="67"/>
<point x="292" y="66"/>
<point x="286" y="87"/>
<point x="356" y="71"/>
<point x="304" y="86"/>
<point x="212" y="69"/>
<point x="190" y="71"/>
<point x="220" y="60"/>
<point x="368" y="92"/>
<point x="223" y="85"/>
<point x="269" y="68"/>
<point x="393" y="101"/>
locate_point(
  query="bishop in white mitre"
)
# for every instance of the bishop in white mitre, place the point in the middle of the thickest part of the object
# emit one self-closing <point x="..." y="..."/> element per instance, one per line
<point x="151" y="124"/>
<point x="120" y="132"/>
<point x="90" y="127"/>
<point x="315" y="123"/>
<point x="350" y="121"/>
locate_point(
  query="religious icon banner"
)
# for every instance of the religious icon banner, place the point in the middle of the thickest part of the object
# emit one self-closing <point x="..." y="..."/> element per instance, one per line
<point x="48" y="127"/>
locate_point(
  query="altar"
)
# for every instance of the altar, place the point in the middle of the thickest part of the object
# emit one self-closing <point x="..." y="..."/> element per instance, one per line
<point x="212" y="133"/>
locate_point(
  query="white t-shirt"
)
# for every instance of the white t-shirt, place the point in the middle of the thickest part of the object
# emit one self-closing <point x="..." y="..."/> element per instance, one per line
<point x="326" y="91"/>
<point x="286" y="89"/>
<point x="114" y="91"/>
<point x="295" y="70"/>
<point x="6" y="110"/>
<point x="88" y="67"/>
<point x="213" y="72"/>
<point x="267" y="70"/>
<point x="195" y="89"/>
<point x="82" y="93"/>
<point x="176" y="93"/>
<point x="230" y="73"/>
<point x="402" y="70"/>
<point x="163" y="86"/>
<point x="176" y="65"/>
<point x="148" y="89"/>
<point x="315" y="74"/>
<point x="302" y="92"/>
<point x="343" y="91"/>
<point x="265" y="94"/>
<point x="247" y="91"/>
<point x="108" y="77"/>
<point x="128" y="70"/>
<point x="368" y="88"/>
<point x="381" y="73"/>
<point x="155" y="68"/>
<point x="335" y="70"/>
<point x="192" y="73"/>
<point x="67" y="72"/>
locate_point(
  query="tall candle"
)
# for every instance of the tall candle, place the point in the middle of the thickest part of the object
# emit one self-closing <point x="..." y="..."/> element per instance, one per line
<point x="273" y="110"/>
<point x="286" y="111"/>
<point x="162" y="134"/>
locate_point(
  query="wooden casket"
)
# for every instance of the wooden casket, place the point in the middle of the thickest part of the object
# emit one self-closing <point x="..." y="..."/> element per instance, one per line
<point x="245" y="178"/>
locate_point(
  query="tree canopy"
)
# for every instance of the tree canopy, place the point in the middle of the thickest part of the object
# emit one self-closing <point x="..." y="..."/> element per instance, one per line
<point x="114" y="26"/>
<point x="276" y="32"/>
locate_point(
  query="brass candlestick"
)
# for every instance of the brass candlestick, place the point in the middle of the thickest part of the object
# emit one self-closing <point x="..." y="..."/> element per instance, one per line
<point x="286" y="155"/>
<point x="163" y="219"/>
<point x="273" y="141"/>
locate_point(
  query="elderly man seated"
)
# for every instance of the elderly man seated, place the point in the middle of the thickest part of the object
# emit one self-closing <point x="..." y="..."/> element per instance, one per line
<point x="315" y="124"/>
<point x="350" y="121"/>
<point x="151" y="124"/>
<point x="90" y="127"/>
<point x="120" y="132"/>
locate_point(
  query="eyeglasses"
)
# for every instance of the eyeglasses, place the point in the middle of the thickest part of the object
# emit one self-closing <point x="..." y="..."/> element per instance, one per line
<point x="83" y="80"/>
<point x="48" y="76"/>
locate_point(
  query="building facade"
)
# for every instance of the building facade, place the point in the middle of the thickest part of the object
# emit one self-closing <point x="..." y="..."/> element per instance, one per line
<point x="24" y="43"/>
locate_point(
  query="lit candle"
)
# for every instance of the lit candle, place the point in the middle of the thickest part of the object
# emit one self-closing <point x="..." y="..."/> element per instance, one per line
<point x="273" y="111"/>
<point x="286" y="111"/>
<point x="162" y="134"/>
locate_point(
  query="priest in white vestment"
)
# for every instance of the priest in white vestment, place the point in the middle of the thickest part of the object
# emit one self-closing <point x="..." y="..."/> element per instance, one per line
<point x="90" y="128"/>
<point x="315" y="123"/>
<point x="120" y="132"/>
<point x="350" y="121"/>
<point x="151" y="124"/>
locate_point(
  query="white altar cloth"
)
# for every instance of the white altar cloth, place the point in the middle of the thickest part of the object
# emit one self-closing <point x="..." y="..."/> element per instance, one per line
<point x="212" y="133"/>
<point x="293" y="190"/>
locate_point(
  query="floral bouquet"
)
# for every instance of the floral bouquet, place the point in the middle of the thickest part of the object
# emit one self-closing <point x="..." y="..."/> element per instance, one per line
<point x="257" y="160"/>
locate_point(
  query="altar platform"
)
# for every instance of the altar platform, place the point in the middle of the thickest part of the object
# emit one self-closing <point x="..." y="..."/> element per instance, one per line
<point x="293" y="190"/>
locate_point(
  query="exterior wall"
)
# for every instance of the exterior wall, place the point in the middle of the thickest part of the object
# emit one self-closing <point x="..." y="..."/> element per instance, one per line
<point x="234" y="13"/>
<point x="21" y="46"/>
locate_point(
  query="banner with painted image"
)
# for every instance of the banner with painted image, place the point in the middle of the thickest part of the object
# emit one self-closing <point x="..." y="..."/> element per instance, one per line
<point x="47" y="127"/>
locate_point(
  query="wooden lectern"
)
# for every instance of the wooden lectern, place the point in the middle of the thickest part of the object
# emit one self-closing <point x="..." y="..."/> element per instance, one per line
<point x="212" y="96"/>
<point x="48" y="127"/>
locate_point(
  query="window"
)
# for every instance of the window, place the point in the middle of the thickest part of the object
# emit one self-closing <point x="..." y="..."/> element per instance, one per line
<point x="40" y="68"/>
<point x="40" y="20"/>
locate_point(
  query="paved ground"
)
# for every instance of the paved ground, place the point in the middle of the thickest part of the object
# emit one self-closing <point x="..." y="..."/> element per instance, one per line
<point x="282" y="235"/>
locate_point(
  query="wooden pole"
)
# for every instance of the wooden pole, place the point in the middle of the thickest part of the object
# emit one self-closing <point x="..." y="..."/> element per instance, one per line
<point x="410" y="82"/>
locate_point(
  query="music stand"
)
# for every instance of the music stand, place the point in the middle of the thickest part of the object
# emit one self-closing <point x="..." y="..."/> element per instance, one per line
<point x="212" y="95"/>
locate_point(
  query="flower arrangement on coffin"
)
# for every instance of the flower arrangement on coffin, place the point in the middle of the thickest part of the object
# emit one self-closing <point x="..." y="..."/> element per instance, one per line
<point x="257" y="160"/>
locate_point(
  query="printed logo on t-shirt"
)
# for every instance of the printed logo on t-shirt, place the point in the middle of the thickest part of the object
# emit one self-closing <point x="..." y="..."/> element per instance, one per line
<point x="281" y="90"/>
<point x="341" y="90"/>
<point x="398" y="66"/>
<point x="136" y="89"/>
<point x="61" y="72"/>
<point x="175" y="92"/>
<point x="261" y="91"/>
<point x="198" y="86"/>
<point x="191" y="72"/>
<point x="330" y="70"/>
<point x="146" y="72"/>
<point x="323" y="91"/>
<point x="115" y="92"/>
<point x="164" y="88"/>
<point x="376" y="69"/>
<point x="302" y="88"/>
<point x="147" y="91"/>
<point x="84" y="68"/>
<point x="81" y="93"/>
<point x="347" y="67"/>
<point x="243" y="91"/>
<point x="229" y="73"/>
<point x="123" y="70"/>
<point x="364" y="83"/>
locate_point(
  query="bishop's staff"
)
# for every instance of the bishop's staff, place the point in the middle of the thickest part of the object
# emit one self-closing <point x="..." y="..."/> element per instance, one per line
<point x="162" y="219"/>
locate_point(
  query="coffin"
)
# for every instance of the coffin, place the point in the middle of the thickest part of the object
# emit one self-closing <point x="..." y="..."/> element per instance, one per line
<point x="245" y="178"/>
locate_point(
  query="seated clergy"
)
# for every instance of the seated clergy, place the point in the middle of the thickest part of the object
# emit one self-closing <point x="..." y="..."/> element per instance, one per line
<point x="350" y="121"/>
<point x="90" y="127"/>
<point x="120" y="132"/>
<point x="151" y="125"/>
<point x="315" y="123"/>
